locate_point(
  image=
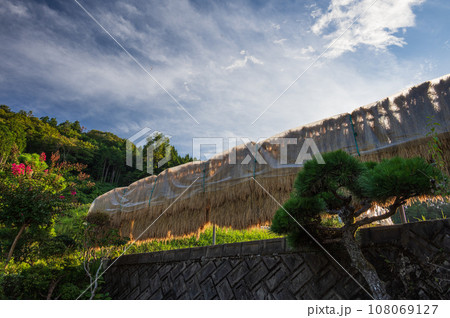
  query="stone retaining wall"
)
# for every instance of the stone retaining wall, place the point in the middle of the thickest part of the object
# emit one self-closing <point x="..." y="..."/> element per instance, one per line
<point x="415" y="254"/>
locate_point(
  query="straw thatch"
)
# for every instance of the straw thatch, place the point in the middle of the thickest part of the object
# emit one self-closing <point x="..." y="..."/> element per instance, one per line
<point x="415" y="148"/>
<point x="183" y="199"/>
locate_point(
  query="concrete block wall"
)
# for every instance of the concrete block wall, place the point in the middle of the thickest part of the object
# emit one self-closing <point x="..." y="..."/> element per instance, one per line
<point x="268" y="269"/>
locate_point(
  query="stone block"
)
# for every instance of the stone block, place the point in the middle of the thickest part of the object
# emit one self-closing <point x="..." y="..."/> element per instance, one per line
<point x="164" y="270"/>
<point x="130" y="259"/>
<point x="238" y="273"/>
<point x="214" y="251"/>
<point x="170" y="256"/>
<point x="182" y="255"/>
<point x="206" y="270"/>
<point x="252" y="248"/>
<point x="301" y="278"/>
<point x="315" y="261"/>
<point x="242" y="291"/>
<point x="152" y="269"/>
<point x="146" y="258"/>
<point x="327" y="280"/>
<point x="256" y="274"/>
<point x="231" y="250"/>
<point x="292" y="260"/>
<point x="260" y="292"/>
<point x="277" y="277"/>
<point x="332" y="295"/>
<point x="193" y="288"/>
<point x="123" y="293"/>
<point x="154" y="283"/>
<point x="177" y="270"/>
<point x="221" y="271"/>
<point x="134" y="294"/>
<point x="157" y="295"/>
<point x="273" y="246"/>
<point x="134" y="279"/>
<point x="179" y="286"/>
<point x="166" y="286"/>
<point x="191" y="269"/>
<point x="124" y="278"/>
<point x="145" y="294"/>
<point x="208" y="290"/>
<point x="224" y="290"/>
<point x="252" y="261"/>
<point x="270" y="261"/>
<point x="283" y="292"/>
<point x="198" y="252"/>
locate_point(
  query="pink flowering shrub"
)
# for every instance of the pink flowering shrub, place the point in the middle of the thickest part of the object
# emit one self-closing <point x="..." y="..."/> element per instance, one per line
<point x="32" y="193"/>
<point x="18" y="169"/>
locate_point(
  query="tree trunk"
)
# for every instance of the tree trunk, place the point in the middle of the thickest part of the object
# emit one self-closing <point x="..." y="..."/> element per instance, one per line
<point x="112" y="175"/>
<point x="103" y="170"/>
<point x="52" y="287"/>
<point x="13" y="246"/>
<point x="117" y="178"/>
<point x="105" y="178"/>
<point x="364" y="266"/>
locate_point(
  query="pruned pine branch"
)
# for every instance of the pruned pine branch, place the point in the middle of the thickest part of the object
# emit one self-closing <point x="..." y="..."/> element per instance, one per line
<point x="392" y="209"/>
<point x="366" y="206"/>
<point x="341" y="197"/>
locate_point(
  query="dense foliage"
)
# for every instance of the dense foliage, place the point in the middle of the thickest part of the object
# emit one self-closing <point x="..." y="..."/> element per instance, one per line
<point x="103" y="153"/>
<point x="43" y="261"/>
<point x="49" y="173"/>
<point x="349" y="188"/>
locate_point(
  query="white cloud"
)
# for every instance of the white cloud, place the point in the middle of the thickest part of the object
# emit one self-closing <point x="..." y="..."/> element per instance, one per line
<point x="241" y="63"/>
<point x="280" y="41"/>
<point x="307" y="50"/>
<point x="316" y="13"/>
<point x="14" y="8"/>
<point x="376" y="24"/>
<point x="199" y="56"/>
<point x="446" y="45"/>
<point x="275" y="26"/>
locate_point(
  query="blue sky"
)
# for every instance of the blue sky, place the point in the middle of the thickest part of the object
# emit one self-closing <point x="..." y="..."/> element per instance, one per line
<point x="224" y="62"/>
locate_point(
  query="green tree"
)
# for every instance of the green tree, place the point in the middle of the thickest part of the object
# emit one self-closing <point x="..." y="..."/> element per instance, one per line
<point x="13" y="136"/>
<point x="346" y="187"/>
<point x="103" y="152"/>
<point x="31" y="195"/>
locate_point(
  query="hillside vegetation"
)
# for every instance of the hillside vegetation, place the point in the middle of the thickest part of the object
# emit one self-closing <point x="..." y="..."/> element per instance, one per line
<point x="102" y="152"/>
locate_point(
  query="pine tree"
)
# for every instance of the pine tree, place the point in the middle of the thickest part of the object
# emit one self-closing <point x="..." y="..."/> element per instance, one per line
<point x="347" y="187"/>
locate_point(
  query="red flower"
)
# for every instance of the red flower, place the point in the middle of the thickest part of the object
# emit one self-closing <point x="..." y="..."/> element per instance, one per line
<point x="29" y="170"/>
<point x="18" y="169"/>
<point x="43" y="157"/>
<point x="73" y="192"/>
<point x="62" y="197"/>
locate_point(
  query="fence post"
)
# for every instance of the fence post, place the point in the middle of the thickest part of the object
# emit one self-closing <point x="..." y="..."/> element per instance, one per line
<point x="354" y="134"/>
<point x="403" y="215"/>
<point x="153" y="189"/>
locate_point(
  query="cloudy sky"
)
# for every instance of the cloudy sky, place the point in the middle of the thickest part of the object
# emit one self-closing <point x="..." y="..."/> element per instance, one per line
<point x="211" y="68"/>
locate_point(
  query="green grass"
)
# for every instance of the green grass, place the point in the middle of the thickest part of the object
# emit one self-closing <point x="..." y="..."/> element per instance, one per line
<point x="223" y="236"/>
<point x="71" y="224"/>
